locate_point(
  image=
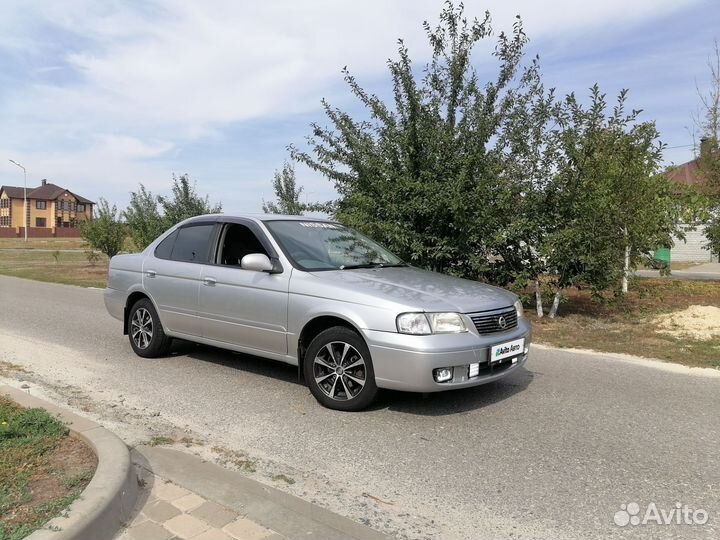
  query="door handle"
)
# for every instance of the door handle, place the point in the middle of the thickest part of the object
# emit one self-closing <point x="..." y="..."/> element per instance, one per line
<point x="150" y="273"/>
<point x="209" y="281"/>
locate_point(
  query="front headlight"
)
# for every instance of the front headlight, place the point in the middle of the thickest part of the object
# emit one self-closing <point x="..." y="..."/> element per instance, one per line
<point x="413" y="323"/>
<point x="446" y="323"/>
<point x="430" y="323"/>
<point x="519" y="308"/>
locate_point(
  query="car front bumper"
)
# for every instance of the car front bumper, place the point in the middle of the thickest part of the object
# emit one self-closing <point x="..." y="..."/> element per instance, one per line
<point x="406" y="362"/>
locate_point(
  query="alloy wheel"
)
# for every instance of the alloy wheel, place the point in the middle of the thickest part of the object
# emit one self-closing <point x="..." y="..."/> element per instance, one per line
<point x="339" y="371"/>
<point x="141" y="328"/>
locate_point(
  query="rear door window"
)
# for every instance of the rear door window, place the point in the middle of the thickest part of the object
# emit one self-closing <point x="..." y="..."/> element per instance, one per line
<point x="193" y="243"/>
<point x="164" y="248"/>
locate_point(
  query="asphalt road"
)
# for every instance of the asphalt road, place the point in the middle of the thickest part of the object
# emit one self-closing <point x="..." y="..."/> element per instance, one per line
<point x="681" y="275"/>
<point x="550" y="452"/>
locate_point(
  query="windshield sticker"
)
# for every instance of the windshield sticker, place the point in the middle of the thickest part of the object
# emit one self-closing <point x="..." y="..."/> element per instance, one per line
<point x="319" y="225"/>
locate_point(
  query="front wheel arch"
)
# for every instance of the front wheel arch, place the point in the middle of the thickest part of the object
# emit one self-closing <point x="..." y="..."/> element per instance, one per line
<point x="311" y="329"/>
<point x="319" y="369"/>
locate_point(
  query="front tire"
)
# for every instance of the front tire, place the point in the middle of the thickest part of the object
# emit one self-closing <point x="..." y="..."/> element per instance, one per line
<point x="339" y="371"/>
<point x="145" y="331"/>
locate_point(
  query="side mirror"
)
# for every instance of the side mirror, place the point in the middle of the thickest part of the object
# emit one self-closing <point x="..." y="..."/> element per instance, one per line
<point x="259" y="262"/>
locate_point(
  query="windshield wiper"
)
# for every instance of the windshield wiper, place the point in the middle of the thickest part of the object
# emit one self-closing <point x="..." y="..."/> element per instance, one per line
<point x="371" y="265"/>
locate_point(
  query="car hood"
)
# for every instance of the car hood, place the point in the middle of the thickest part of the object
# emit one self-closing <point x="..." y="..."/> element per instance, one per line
<point x="419" y="289"/>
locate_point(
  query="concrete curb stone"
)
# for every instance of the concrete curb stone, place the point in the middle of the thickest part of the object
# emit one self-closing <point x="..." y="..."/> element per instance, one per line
<point x="108" y="500"/>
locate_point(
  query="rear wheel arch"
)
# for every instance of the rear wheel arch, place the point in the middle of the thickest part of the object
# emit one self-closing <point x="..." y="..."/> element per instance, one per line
<point x="130" y="302"/>
<point x="147" y="337"/>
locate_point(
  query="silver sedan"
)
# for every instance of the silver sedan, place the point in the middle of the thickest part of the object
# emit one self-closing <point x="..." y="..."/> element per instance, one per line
<point x="313" y="293"/>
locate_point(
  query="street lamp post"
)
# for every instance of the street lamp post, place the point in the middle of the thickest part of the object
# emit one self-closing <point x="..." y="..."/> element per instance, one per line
<point x="25" y="209"/>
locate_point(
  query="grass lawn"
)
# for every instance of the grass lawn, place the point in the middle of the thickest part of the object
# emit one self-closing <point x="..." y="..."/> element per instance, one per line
<point x="71" y="267"/>
<point x="43" y="243"/>
<point x="42" y="469"/>
<point x="626" y="325"/>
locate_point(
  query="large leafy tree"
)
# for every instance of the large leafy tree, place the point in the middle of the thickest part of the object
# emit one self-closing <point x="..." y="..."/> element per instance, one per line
<point x="529" y="157"/>
<point x="424" y="174"/>
<point x="148" y="215"/>
<point x="493" y="178"/>
<point x="611" y="206"/>
<point x="105" y="232"/>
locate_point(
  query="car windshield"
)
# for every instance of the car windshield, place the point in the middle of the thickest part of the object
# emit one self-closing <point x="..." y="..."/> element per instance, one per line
<point x="320" y="245"/>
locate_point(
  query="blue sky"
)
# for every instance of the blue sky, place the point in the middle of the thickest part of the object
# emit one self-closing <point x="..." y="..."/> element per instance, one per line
<point x="100" y="96"/>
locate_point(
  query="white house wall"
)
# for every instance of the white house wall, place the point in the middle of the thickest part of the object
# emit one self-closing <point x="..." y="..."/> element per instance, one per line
<point x="691" y="249"/>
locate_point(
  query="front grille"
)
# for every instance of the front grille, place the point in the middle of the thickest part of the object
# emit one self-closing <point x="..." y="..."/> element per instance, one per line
<point x="490" y="322"/>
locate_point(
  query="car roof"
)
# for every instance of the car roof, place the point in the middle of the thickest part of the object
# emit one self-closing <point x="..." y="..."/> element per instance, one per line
<point x="257" y="217"/>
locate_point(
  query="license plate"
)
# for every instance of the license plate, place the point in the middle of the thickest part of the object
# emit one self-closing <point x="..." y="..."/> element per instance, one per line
<point x="506" y="350"/>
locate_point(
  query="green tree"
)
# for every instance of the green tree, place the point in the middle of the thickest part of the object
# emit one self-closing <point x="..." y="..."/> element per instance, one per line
<point x="185" y="202"/>
<point x="424" y="174"/>
<point x="288" y="194"/>
<point x="105" y="232"/>
<point x="708" y="123"/>
<point x="143" y="218"/>
<point x="611" y="206"/>
<point x="524" y="201"/>
<point x="148" y="216"/>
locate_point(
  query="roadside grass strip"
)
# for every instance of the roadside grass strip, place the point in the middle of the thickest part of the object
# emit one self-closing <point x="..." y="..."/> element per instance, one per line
<point x="42" y="469"/>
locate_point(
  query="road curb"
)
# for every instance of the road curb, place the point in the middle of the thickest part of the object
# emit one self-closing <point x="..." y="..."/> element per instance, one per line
<point x="109" y="498"/>
<point x="287" y="514"/>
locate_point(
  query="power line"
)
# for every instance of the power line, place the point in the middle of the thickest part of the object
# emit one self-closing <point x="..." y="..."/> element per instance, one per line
<point x="679" y="146"/>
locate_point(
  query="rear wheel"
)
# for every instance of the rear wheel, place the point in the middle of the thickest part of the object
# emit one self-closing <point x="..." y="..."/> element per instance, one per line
<point x="339" y="371"/>
<point x="146" y="334"/>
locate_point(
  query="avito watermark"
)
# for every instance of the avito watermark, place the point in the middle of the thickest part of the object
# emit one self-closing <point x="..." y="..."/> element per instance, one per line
<point x="680" y="514"/>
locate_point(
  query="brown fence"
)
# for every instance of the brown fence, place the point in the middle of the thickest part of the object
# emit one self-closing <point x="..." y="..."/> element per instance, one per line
<point x="62" y="232"/>
<point x="37" y="232"/>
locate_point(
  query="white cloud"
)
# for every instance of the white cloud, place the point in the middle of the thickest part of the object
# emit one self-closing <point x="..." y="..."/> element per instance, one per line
<point x="125" y="83"/>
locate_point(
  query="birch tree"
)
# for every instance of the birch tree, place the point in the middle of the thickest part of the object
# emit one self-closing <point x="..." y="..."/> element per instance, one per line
<point x="612" y="204"/>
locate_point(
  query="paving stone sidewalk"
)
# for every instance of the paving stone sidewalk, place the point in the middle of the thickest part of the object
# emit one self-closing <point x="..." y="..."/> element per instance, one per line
<point x="166" y="511"/>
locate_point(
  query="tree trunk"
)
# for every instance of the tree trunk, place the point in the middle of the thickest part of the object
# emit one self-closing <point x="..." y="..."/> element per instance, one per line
<point x="626" y="267"/>
<point x="538" y="299"/>
<point x="555" y="304"/>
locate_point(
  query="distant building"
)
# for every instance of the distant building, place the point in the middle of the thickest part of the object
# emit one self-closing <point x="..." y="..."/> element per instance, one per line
<point x="692" y="249"/>
<point x="51" y="211"/>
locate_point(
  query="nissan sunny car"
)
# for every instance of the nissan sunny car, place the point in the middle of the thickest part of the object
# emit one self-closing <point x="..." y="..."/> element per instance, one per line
<point x="313" y="293"/>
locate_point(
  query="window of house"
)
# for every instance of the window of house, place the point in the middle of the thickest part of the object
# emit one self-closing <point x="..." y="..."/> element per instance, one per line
<point x="80" y="207"/>
<point x="193" y="243"/>
<point x="40" y="222"/>
<point x="238" y="241"/>
<point x="41" y="205"/>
